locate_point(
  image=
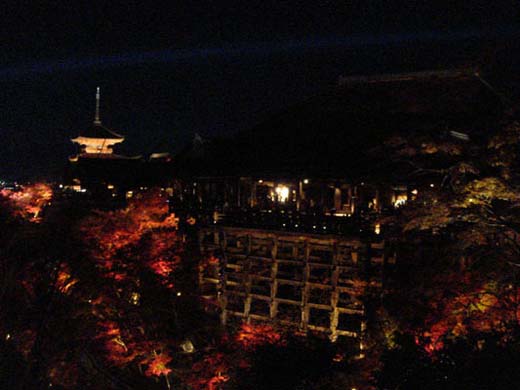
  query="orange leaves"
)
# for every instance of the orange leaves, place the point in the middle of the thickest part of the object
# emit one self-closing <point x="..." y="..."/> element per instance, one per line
<point x="210" y="372"/>
<point x="157" y="365"/>
<point x="124" y="244"/>
<point x="123" y="347"/>
<point x="28" y="202"/>
<point x="163" y="253"/>
<point x="216" y="380"/>
<point x="117" y="351"/>
<point x="143" y="234"/>
<point x="64" y="280"/>
<point x="471" y="307"/>
<point x="252" y="336"/>
<point x="115" y="230"/>
<point x="162" y="267"/>
<point x="233" y="353"/>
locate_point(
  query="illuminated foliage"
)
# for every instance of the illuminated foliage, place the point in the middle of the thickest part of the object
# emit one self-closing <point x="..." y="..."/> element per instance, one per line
<point x="466" y="282"/>
<point x="64" y="280"/>
<point x="157" y="365"/>
<point x="232" y="355"/>
<point x="28" y="201"/>
<point x="252" y="336"/>
<point x="143" y="232"/>
<point x="211" y="371"/>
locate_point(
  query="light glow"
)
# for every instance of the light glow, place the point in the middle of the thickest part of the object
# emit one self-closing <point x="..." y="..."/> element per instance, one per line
<point x="282" y="193"/>
<point x="377" y="228"/>
<point x="400" y="200"/>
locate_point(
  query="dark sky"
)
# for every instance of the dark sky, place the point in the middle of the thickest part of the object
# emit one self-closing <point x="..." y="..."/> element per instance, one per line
<point x="170" y="70"/>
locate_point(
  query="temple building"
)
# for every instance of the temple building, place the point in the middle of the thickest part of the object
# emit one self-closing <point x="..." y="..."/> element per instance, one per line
<point x="324" y="157"/>
<point x="98" y="170"/>
<point x="97" y="140"/>
<point x="289" y="213"/>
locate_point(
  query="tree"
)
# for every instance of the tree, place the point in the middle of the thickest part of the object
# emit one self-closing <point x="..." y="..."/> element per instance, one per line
<point x="459" y="236"/>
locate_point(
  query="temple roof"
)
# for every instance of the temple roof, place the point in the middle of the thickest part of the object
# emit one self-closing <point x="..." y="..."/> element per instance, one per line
<point x="97" y="130"/>
<point x="332" y="133"/>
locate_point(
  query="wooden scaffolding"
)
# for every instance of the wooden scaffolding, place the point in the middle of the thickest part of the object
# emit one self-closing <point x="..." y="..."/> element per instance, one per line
<point x="306" y="281"/>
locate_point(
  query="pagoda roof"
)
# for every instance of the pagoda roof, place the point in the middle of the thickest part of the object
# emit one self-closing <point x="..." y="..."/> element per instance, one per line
<point x="97" y="130"/>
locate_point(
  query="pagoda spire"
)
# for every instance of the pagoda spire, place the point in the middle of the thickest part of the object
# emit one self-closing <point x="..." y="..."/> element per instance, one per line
<point x="97" y="120"/>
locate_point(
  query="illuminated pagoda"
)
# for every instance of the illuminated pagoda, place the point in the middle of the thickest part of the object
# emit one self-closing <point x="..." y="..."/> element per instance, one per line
<point x="97" y="140"/>
<point x="96" y="168"/>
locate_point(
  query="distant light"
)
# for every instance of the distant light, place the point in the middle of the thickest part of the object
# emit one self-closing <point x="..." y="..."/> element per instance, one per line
<point x="432" y="185"/>
<point x="459" y="135"/>
<point x="110" y="186"/>
<point x="377" y="228"/>
<point x="324" y="227"/>
<point x="282" y="193"/>
<point x="179" y="293"/>
<point x="400" y="200"/>
<point x="296" y="225"/>
<point x="134" y="298"/>
<point x="7" y="336"/>
<point x="314" y="226"/>
<point x="260" y="181"/>
<point x="61" y="185"/>
<point x="306" y="181"/>
<point x="415" y="192"/>
<point x="187" y="346"/>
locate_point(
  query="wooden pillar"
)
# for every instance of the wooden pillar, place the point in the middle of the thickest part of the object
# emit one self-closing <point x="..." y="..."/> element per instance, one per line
<point x="216" y="237"/>
<point x="248" y="280"/>
<point x="305" y="291"/>
<point x="349" y="198"/>
<point x="362" y="336"/>
<point x="354" y="199"/>
<point x="222" y="277"/>
<point x="252" y="200"/>
<point x="334" y="297"/>
<point x="295" y="251"/>
<point x="337" y="199"/>
<point x="273" y="304"/>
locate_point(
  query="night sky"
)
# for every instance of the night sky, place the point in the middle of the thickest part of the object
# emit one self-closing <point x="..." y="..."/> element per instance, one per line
<point x="213" y="68"/>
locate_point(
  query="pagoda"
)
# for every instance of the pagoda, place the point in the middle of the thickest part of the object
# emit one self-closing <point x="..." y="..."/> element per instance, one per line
<point x="97" y="141"/>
